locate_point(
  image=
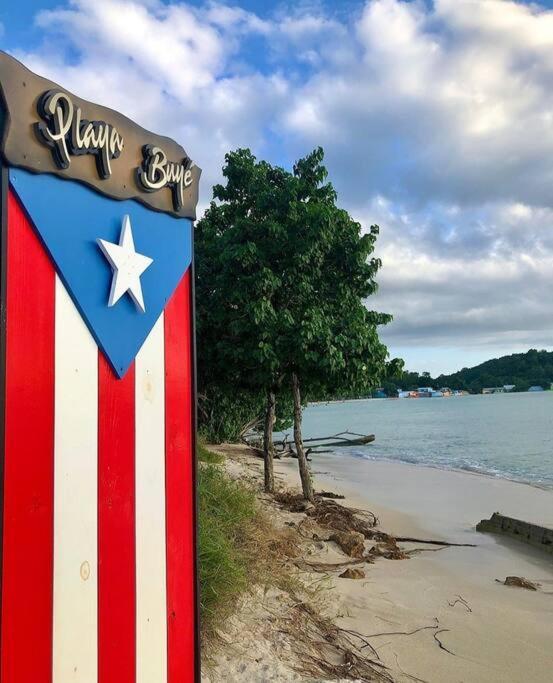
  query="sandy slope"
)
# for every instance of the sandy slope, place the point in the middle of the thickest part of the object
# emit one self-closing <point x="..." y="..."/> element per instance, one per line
<point x="490" y="632"/>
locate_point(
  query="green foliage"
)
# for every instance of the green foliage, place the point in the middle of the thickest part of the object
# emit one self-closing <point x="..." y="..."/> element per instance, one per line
<point x="240" y="247"/>
<point x="282" y="276"/>
<point x="327" y="335"/>
<point x="521" y="369"/>
<point x="240" y="251"/>
<point x="223" y="413"/>
<point x="226" y="510"/>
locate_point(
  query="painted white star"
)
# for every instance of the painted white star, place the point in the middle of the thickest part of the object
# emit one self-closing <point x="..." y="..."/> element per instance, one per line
<point x="127" y="266"/>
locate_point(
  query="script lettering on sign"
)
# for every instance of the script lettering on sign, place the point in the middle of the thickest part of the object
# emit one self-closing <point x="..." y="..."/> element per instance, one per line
<point x="68" y="134"/>
<point x="157" y="172"/>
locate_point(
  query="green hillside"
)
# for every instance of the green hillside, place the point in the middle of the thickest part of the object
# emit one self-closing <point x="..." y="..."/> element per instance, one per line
<point x="521" y="369"/>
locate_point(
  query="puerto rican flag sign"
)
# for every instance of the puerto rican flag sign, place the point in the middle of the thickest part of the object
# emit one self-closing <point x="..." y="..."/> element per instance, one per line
<point x="98" y="509"/>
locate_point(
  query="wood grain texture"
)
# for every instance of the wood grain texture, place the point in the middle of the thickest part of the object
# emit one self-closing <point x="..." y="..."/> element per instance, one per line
<point x="75" y="641"/>
<point x="116" y="526"/>
<point x="21" y="89"/>
<point x="180" y="506"/>
<point x="26" y="644"/>
<point x="151" y="592"/>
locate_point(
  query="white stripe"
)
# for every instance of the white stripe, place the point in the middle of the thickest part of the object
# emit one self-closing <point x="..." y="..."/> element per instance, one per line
<point x="151" y="599"/>
<point x="75" y="641"/>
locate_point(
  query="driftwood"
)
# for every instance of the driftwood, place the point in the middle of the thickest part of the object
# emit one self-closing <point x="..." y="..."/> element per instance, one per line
<point x="341" y="440"/>
<point x="254" y="440"/>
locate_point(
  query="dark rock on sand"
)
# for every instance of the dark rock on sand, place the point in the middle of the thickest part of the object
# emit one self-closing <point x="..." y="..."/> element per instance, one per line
<point x="352" y="573"/>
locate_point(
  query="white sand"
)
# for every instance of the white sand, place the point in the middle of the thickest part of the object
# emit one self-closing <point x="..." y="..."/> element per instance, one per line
<point x="508" y="635"/>
<point x="499" y="634"/>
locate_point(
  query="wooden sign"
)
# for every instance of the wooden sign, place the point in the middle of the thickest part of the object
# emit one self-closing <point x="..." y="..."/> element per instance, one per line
<point x="98" y="562"/>
<point x="48" y="130"/>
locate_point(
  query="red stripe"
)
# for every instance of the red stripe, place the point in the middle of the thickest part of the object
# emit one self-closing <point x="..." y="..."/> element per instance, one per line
<point x="179" y="486"/>
<point x="116" y="526"/>
<point x="29" y="457"/>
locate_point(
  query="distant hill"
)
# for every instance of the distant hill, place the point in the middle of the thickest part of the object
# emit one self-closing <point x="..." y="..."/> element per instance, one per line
<point x="521" y="369"/>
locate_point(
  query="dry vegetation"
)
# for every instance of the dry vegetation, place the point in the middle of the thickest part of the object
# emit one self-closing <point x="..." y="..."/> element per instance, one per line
<point x="234" y="536"/>
<point x="270" y="552"/>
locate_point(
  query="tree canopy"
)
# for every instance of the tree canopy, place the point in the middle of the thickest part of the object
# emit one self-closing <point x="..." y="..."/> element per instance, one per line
<point x="283" y="275"/>
<point x="327" y="333"/>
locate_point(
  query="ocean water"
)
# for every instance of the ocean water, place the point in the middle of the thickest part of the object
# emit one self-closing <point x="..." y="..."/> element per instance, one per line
<point x="503" y="435"/>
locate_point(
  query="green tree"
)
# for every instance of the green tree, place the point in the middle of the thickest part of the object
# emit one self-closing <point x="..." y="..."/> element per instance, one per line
<point x="282" y="279"/>
<point x="241" y="246"/>
<point x="327" y="339"/>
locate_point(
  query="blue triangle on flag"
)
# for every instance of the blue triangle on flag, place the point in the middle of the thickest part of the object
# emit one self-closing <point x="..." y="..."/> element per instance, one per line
<point x="69" y="219"/>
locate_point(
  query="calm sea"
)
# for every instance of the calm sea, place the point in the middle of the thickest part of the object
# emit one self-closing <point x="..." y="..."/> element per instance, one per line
<point x="504" y="435"/>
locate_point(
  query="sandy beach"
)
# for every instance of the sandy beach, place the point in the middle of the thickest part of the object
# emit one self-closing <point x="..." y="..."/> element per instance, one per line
<point x="439" y="616"/>
<point x="508" y="634"/>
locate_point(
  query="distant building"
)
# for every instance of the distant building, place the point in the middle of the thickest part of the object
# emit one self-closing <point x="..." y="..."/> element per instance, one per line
<point x="425" y="392"/>
<point x="509" y="387"/>
<point x="493" y="390"/>
<point x="536" y="388"/>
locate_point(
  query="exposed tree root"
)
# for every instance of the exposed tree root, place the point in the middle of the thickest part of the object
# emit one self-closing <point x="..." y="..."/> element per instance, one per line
<point x="442" y="646"/>
<point x="335" y="516"/>
<point x="436" y="628"/>
<point x="416" y="551"/>
<point x="326" y="566"/>
<point x="460" y="600"/>
<point x="326" y="650"/>
<point x="404" y="633"/>
<point x="446" y="544"/>
<point x="332" y="515"/>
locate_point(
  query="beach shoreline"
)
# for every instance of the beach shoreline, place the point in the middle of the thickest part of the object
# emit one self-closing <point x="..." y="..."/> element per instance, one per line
<point x="434" y="494"/>
<point x="506" y="437"/>
<point x="495" y="476"/>
<point x="489" y="633"/>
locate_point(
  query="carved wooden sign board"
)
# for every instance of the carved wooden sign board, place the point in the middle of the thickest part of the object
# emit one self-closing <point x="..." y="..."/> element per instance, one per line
<point x="97" y="411"/>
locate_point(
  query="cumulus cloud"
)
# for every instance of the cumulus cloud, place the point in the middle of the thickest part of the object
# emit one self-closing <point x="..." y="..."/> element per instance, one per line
<point x="486" y="298"/>
<point x="436" y="118"/>
<point x="454" y="102"/>
<point x="167" y="67"/>
<point x="443" y="122"/>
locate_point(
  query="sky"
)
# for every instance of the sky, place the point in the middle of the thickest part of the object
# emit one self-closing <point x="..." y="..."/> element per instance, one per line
<point x="436" y="119"/>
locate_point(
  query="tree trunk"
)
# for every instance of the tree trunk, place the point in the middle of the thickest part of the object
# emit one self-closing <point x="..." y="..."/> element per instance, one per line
<point x="305" y="475"/>
<point x="268" y="449"/>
